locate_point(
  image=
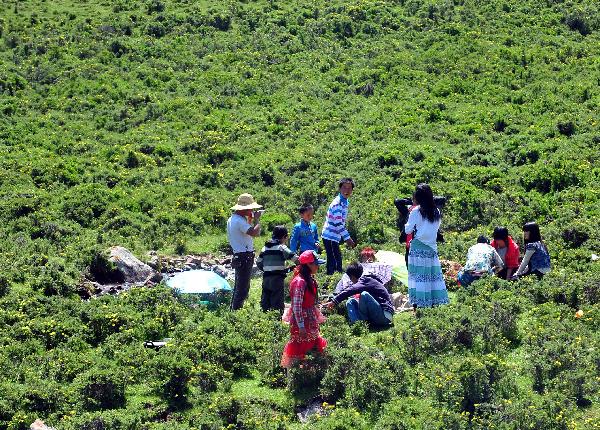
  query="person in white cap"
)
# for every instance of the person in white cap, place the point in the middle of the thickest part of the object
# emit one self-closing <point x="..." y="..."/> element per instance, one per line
<point x="242" y="226"/>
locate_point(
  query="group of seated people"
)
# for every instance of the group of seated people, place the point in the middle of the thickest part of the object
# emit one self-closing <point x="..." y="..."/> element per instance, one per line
<point x="368" y="298"/>
<point x="501" y="256"/>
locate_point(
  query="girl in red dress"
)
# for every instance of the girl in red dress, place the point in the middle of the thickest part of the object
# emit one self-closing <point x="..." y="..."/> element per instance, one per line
<point x="303" y="315"/>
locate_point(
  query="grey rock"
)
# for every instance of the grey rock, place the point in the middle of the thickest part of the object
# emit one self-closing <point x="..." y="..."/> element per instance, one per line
<point x="154" y="262"/>
<point x="39" y="425"/>
<point x="314" y="407"/>
<point x="133" y="270"/>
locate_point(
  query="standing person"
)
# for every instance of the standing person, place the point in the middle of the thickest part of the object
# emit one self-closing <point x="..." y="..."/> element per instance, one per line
<point x="508" y="251"/>
<point x="537" y="259"/>
<point x="405" y="207"/>
<point x="375" y="304"/>
<point x="271" y="261"/>
<point x="242" y="226"/>
<point x="305" y="236"/>
<point x="426" y="286"/>
<point x="334" y="229"/>
<point x="482" y="259"/>
<point x="303" y="315"/>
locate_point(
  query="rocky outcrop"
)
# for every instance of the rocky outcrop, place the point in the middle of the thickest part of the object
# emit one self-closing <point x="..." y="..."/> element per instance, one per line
<point x="133" y="270"/>
<point x="175" y="264"/>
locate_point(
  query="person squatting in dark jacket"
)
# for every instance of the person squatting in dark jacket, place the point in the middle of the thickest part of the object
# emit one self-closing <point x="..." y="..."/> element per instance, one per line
<point x="375" y="303"/>
<point x="271" y="261"/>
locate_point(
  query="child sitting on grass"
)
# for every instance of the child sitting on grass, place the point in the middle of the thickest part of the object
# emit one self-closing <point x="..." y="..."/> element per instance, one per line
<point x="508" y="250"/>
<point x="537" y="259"/>
<point x="271" y="261"/>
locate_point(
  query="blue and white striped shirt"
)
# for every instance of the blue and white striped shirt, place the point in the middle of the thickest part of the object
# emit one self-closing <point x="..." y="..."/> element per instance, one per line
<point x="335" y="222"/>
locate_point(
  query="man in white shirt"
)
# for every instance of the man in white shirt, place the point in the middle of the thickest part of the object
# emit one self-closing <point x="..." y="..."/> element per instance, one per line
<point x="242" y="226"/>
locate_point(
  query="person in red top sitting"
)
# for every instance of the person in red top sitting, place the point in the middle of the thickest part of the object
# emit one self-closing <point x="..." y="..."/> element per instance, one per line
<point x="303" y="315"/>
<point x="508" y="251"/>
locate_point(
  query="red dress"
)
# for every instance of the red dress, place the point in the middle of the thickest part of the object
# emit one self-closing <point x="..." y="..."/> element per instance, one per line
<point x="303" y="311"/>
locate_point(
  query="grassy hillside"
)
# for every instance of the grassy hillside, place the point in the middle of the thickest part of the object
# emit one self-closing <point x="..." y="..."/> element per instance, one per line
<point x="139" y="122"/>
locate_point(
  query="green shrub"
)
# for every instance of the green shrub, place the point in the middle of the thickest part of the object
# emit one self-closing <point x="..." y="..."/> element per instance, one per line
<point x="342" y="419"/>
<point x="44" y="397"/>
<point x="577" y="21"/>
<point x="270" y="219"/>
<point x="409" y="413"/>
<point x="269" y="364"/>
<point x="209" y="377"/>
<point x="304" y="377"/>
<point x="104" y="319"/>
<point x="363" y="378"/>
<point x="54" y="279"/>
<point x="171" y="373"/>
<point x="101" y="389"/>
<point x="4" y="285"/>
<point x="104" y="420"/>
<point x="21" y="421"/>
<point x="535" y="412"/>
<point x="481" y="381"/>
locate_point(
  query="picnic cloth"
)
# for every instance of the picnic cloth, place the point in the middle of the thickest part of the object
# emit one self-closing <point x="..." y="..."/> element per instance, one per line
<point x="396" y="260"/>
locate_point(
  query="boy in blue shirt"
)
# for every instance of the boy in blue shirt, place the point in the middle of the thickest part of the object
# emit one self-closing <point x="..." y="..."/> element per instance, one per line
<point x="305" y="236"/>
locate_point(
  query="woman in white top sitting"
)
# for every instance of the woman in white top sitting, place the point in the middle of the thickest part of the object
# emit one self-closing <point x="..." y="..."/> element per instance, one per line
<point x="426" y="286"/>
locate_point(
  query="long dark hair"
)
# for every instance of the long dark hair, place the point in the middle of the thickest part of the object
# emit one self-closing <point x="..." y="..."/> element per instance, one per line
<point x="303" y="270"/>
<point x="424" y="197"/>
<point x="534" y="232"/>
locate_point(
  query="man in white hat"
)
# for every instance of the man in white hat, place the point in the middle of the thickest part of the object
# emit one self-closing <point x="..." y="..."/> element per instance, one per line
<point x="242" y="226"/>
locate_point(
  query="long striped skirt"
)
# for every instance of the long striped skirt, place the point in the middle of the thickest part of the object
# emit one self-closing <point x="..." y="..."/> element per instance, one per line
<point x="426" y="286"/>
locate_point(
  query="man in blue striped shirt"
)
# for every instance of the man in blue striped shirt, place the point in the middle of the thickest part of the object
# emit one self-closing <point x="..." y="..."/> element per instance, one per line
<point x="334" y="230"/>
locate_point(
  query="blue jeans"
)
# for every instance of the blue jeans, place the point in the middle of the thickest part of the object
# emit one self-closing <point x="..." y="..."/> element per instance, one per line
<point x="466" y="278"/>
<point x="367" y="309"/>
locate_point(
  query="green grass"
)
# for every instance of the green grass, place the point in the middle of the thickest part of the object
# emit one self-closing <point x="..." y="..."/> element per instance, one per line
<point x="138" y="123"/>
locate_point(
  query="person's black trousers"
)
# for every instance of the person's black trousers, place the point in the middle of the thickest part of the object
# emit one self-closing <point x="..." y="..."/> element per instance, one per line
<point x="334" y="256"/>
<point x="272" y="293"/>
<point x="242" y="262"/>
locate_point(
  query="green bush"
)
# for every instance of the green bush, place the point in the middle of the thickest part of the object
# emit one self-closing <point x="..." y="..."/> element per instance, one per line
<point x="271" y="219"/>
<point x="305" y="376"/>
<point x="341" y="419"/>
<point x="482" y="381"/>
<point x="104" y="319"/>
<point x="4" y="286"/>
<point x="409" y="413"/>
<point x="209" y="377"/>
<point x="171" y="373"/>
<point x="101" y="389"/>
<point x="362" y="378"/>
<point x="44" y="397"/>
<point x="54" y="279"/>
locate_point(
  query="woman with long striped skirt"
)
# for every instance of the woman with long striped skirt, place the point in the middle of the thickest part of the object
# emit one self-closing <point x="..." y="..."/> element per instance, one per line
<point x="426" y="286"/>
